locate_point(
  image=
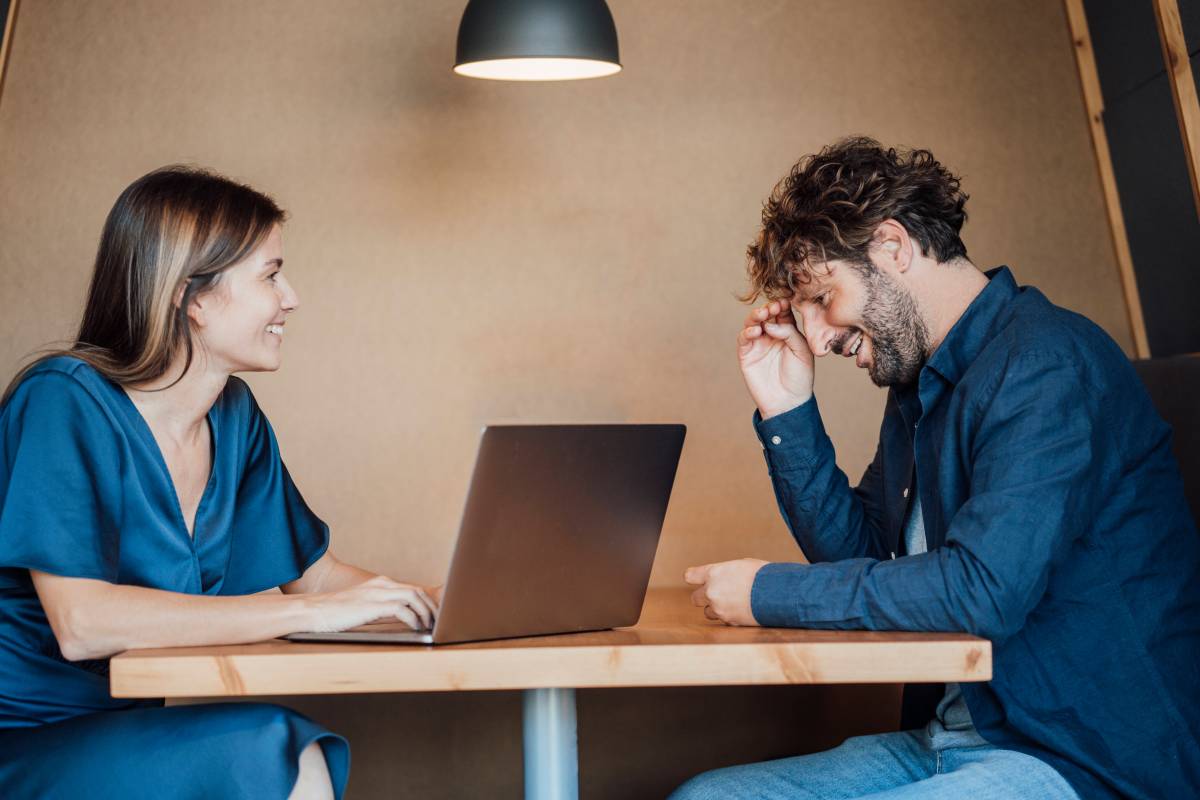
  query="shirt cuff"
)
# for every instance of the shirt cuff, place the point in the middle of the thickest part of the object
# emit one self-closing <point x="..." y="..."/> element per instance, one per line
<point x="773" y="596"/>
<point x="793" y="439"/>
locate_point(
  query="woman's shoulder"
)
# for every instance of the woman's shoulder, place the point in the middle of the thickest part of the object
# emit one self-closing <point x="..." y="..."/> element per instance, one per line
<point x="237" y="403"/>
<point x="236" y="397"/>
<point x="63" y="380"/>
<point x="61" y="397"/>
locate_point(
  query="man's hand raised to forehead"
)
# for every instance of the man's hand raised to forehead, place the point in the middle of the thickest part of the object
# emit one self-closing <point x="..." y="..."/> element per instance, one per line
<point x="776" y="361"/>
<point x="724" y="589"/>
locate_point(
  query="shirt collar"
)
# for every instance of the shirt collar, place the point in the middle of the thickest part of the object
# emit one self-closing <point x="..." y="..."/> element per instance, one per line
<point x="974" y="329"/>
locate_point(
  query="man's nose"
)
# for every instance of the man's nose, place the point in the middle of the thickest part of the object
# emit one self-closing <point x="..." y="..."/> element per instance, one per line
<point x="818" y="333"/>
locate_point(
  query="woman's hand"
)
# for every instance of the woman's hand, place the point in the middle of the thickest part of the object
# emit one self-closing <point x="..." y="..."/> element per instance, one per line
<point x="776" y="361"/>
<point x="374" y="600"/>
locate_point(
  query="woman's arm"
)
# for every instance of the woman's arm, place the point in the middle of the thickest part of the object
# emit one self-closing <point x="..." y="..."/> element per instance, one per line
<point x="329" y="574"/>
<point x="97" y="619"/>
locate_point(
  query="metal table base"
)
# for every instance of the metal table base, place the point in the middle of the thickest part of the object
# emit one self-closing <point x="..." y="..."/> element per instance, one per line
<point x="551" y="745"/>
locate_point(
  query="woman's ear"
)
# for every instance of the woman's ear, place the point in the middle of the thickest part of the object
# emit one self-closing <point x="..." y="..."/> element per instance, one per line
<point x="196" y="304"/>
<point x="179" y="293"/>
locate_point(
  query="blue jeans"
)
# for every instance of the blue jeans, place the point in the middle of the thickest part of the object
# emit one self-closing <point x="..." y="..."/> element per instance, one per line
<point x="890" y="766"/>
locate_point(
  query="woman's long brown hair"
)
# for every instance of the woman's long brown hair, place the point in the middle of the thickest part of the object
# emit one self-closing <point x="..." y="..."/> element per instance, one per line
<point x="169" y="237"/>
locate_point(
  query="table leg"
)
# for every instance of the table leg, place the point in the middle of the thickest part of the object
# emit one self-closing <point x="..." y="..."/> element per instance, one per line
<point x="551" y="750"/>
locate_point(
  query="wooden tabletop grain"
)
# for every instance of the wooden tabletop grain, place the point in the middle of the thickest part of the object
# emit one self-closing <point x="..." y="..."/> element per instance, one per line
<point x="672" y="645"/>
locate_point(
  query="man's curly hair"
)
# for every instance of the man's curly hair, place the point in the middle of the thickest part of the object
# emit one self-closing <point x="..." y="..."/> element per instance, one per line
<point x="831" y="203"/>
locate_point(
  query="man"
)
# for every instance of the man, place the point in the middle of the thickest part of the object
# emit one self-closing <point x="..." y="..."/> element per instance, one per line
<point x="1023" y="491"/>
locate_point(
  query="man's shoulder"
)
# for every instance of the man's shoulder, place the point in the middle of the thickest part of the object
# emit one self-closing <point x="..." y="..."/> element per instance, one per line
<point x="1036" y="335"/>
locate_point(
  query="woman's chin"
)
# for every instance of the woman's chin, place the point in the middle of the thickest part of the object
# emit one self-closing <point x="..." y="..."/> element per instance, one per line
<point x="262" y="364"/>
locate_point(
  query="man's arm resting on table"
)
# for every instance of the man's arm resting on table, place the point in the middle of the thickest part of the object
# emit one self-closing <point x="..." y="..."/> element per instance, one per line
<point x="1035" y="479"/>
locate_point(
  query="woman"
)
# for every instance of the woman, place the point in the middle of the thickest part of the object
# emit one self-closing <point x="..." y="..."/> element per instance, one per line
<point x="143" y="503"/>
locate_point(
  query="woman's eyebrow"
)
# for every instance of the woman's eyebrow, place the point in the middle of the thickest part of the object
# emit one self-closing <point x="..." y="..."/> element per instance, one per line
<point x="274" y="262"/>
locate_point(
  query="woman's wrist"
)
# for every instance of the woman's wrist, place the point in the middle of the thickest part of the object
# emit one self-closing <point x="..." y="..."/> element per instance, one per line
<point x="301" y="614"/>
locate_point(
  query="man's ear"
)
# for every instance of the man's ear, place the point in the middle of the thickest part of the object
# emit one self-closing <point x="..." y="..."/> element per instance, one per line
<point x="894" y="245"/>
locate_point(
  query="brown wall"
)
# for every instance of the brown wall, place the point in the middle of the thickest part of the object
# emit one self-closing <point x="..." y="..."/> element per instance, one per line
<point x="470" y="251"/>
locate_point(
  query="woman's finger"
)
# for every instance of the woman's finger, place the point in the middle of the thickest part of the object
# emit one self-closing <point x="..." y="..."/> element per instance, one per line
<point x="708" y="612"/>
<point x="420" y="607"/>
<point x="430" y="601"/>
<point x="406" y="615"/>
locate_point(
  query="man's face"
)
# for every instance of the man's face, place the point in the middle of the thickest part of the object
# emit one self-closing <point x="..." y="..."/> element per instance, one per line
<point x="860" y="310"/>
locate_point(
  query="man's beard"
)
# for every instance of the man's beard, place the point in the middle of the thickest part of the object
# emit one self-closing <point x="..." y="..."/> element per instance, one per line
<point x="899" y="337"/>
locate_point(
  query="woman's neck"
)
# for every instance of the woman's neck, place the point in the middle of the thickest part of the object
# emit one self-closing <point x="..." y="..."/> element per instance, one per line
<point x="178" y="411"/>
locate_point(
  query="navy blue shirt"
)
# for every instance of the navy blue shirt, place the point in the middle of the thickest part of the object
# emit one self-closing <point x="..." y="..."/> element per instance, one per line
<point x="1057" y="528"/>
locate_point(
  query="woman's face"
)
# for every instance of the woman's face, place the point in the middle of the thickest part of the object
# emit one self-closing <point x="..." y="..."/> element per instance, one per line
<point x="240" y="322"/>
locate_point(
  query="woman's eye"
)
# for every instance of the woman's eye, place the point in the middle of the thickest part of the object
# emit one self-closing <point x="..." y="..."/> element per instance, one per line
<point x="823" y="299"/>
<point x="271" y="277"/>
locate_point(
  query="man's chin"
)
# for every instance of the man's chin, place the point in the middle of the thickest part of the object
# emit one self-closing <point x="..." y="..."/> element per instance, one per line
<point x="893" y="378"/>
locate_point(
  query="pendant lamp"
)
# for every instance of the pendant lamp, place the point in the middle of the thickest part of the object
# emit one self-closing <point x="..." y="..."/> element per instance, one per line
<point x="537" y="40"/>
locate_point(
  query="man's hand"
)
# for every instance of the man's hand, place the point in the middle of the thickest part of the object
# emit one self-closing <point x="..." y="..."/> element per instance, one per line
<point x="776" y="361"/>
<point x="724" y="591"/>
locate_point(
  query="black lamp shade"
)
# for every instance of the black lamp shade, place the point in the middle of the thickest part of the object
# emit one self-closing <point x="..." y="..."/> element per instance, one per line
<point x="537" y="40"/>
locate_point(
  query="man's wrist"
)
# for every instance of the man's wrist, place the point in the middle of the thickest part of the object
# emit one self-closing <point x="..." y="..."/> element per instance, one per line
<point x="794" y="439"/>
<point x="773" y="592"/>
<point x="769" y="411"/>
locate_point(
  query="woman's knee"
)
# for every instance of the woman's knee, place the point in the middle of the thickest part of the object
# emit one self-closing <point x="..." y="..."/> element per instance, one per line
<point x="312" y="779"/>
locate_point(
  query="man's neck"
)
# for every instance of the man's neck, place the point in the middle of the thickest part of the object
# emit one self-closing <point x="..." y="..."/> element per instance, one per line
<point x="944" y="294"/>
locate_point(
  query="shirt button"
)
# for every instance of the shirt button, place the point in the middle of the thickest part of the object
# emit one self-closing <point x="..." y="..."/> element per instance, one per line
<point x="905" y="491"/>
<point x="776" y="440"/>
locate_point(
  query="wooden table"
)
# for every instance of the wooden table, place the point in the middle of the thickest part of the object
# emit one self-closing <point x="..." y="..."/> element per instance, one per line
<point x="672" y="645"/>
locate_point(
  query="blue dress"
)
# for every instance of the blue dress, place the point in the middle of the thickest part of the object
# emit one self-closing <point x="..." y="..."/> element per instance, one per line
<point x="84" y="492"/>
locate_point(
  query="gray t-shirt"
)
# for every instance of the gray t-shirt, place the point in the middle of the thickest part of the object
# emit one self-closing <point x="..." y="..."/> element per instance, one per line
<point x="952" y="726"/>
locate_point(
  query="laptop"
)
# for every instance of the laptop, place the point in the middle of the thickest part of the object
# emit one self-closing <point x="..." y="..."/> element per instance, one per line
<point x="558" y="534"/>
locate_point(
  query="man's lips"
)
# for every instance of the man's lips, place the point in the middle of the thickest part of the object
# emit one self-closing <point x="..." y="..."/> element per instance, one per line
<point x="848" y="345"/>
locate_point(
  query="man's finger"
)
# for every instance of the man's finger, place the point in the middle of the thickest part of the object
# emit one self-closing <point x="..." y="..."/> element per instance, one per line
<point x="708" y="612"/>
<point x="759" y="314"/>
<point x="783" y="331"/>
<point x="700" y="598"/>
<point x="696" y="575"/>
<point x="749" y="334"/>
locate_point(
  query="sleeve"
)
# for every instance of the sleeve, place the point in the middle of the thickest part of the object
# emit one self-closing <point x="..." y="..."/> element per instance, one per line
<point x="60" y="483"/>
<point x="275" y="535"/>
<point x="828" y="519"/>
<point x="1040" y="463"/>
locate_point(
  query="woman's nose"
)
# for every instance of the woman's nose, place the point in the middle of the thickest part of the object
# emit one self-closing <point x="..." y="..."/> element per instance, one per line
<point x="289" y="301"/>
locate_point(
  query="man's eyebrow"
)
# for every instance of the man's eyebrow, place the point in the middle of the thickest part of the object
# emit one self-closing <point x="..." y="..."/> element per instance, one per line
<point x="809" y="290"/>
